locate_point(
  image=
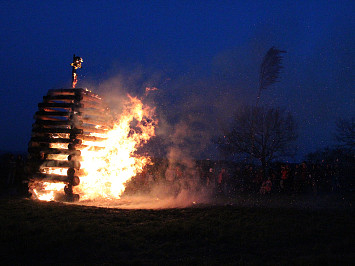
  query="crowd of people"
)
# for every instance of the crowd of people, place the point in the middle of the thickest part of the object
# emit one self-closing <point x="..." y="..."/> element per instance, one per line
<point x="285" y="178"/>
<point x="221" y="178"/>
<point x="229" y="179"/>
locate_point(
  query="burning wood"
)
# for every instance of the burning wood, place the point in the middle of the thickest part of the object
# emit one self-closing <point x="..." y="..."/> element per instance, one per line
<point x="38" y="150"/>
<point x="51" y="118"/>
<point x="90" y="138"/>
<point x="92" y="130"/>
<point x="62" y="98"/>
<point x="61" y="164"/>
<point x="91" y="112"/>
<point x="76" y="143"/>
<point x="56" y="141"/>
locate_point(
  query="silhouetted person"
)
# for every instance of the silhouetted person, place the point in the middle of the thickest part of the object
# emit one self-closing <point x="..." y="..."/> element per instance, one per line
<point x="221" y="180"/>
<point x="266" y="187"/>
<point x="285" y="171"/>
<point x="297" y="179"/>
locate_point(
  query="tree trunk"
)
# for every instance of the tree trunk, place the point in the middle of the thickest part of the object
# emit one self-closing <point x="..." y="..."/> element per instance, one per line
<point x="264" y="167"/>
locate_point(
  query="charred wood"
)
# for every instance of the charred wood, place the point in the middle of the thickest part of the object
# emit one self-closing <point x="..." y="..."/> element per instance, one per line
<point x="75" y="180"/>
<point x="34" y="150"/>
<point x="70" y="98"/>
<point x="57" y="130"/>
<point x="54" y="140"/>
<point x="52" y="113"/>
<point x="60" y="164"/>
<point x="98" y="108"/>
<point x="60" y="105"/>
<point x="90" y="98"/>
<point x="50" y="118"/>
<point x="57" y="123"/>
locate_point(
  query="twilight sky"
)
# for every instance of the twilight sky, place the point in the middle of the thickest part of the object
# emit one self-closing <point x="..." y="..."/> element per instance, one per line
<point x="203" y="56"/>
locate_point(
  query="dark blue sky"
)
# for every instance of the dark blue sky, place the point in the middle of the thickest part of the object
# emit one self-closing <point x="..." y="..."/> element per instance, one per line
<point x="204" y="57"/>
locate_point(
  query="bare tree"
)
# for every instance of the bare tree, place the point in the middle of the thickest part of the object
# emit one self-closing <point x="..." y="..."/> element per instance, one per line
<point x="259" y="132"/>
<point x="269" y="70"/>
<point x="262" y="133"/>
<point x="345" y="133"/>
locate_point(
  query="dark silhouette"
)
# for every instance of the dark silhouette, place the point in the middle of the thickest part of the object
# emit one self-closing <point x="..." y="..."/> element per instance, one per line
<point x="269" y="70"/>
<point x="262" y="133"/>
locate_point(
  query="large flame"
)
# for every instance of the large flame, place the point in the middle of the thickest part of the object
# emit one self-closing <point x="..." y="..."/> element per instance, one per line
<point x="46" y="191"/>
<point x="108" y="169"/>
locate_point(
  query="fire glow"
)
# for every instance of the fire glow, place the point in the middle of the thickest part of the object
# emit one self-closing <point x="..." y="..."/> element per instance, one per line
<point x="106" y="170"/>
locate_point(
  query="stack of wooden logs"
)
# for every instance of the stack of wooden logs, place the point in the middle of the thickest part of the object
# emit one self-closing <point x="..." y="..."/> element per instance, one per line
<point x="65" y="120"/>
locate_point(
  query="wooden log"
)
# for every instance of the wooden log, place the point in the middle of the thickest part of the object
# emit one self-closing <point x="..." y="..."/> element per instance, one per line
<point x="77" y="172"/>
<point x="66" y="98"/>
<point x="91" y="98"/>
<point x="50" y="118"/>
<point x="82" y="147"/>
<point x="91" y="127"/>
<point x="57" y="130"/>
<point x="50" y="178"/>
<point x="53" y="135"/>
<point x="96" y="124"/>
<point x="77" y="158"/>
<point x="38" y="145"/>
<point x="60" y="105"/>
<point x="99" y="108"/>
<point x="92" y="112"/>
<point x="56" y="123"/>
<point x="36" y="150"/>
<point x="55" y="140"/>
<point x="71" y="91"/>
<point x="67" y="110"/>
<point x="45" y="145"/>
<point x="53" y="113"/>
<point x="88" y="130"/>
<point x="60" y="164"/>
<point x="96" y="118"/>
<point x="105" y="120"/>
<point x="90" y="138"/>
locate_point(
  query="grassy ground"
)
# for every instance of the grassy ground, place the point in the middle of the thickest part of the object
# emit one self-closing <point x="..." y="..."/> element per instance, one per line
<point x="34" y="232"/>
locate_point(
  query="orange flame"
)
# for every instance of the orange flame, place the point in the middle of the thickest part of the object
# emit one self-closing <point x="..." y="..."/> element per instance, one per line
<point x="48" y="191"/>
<point x="108" y="169"/>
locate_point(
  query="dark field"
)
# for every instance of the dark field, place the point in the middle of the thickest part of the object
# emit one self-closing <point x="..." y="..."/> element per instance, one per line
<point x="35" y="232"/>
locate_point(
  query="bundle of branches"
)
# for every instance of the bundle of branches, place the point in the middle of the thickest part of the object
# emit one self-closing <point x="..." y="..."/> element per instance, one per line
<point x="270" y="69"/>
